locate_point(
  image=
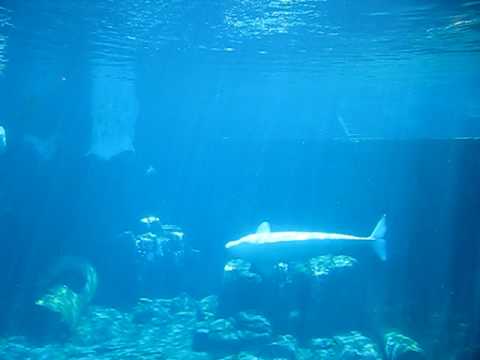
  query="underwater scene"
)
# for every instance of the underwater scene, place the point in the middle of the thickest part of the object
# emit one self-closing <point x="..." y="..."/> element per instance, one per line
<point x="240" y="179"/>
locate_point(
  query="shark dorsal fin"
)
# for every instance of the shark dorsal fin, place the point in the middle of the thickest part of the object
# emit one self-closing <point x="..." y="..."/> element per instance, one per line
<point x="264" y="227"/>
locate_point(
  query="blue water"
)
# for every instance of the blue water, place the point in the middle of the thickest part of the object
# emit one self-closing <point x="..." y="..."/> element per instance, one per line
<point x="215" y="116"/>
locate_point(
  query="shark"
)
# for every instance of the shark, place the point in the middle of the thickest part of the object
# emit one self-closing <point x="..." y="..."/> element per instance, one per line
<point x="268" y="246"/>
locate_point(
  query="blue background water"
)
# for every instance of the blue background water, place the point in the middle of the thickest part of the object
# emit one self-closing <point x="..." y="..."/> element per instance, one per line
<point x="238" y="112"/>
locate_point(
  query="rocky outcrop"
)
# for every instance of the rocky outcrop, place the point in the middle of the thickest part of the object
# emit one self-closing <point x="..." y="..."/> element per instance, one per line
<point x="351" y="346"/>
<point x="242" y="288"/>
<point x="283" y="347"/>
<point x="401" y="347"/>
<point x="297" y="297"/>
<point x="185" y="329"/>
<point x="244" y="332"/>
<point x="61" y="306"/>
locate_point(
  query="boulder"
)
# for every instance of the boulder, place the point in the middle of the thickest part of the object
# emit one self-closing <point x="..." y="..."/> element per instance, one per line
<point x="355" y="346"/>
<point x="208" y="308"/>
<point x="283" y="347"/>
<point x="242" y="288"/>
<point x="351" y="346"/>
<point x="319" y="297"/>
<point x="218" y="336"/>
<point x="150" y="311"/>
<point x="297" y="296"/>
<point x="244" y="332"/>
<point x="401" y="347"/>
<point x="253" y="322"/>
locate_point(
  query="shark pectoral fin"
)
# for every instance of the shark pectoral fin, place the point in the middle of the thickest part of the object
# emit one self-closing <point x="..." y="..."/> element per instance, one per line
<point x="264" y="227"/>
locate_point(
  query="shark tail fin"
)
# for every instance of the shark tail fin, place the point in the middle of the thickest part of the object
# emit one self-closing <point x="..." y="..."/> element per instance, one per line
<point x="378" y="234"/>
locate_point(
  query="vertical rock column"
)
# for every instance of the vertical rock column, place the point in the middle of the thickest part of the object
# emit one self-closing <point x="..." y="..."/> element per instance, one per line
<point x="114" y="111"/>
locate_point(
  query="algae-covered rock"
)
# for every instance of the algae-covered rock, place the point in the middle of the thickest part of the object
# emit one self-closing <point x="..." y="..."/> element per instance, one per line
<point x="103" y="324"/>
<point x="161" y="311"/>
<point x="319" y="297"/>
<point x="218" y="336"/>
<point x="355" y="346"/>
<point x="151" y="311"/>
<point x="61" y="299"/>
<point x="14" y="348"/>
<point x="239" y="270"/>
<point x="253" y="329"/>
<point x="325" y="265"/>
<point x="322" y="344"/>
<point x="401" y="347"/>
<point x="208" y="308"/>
<point x="253" y="322"/>
<point x="297" y="296"/>
<point x="351" y="346"/>
<point x="324" y="348"/>
<point x="242" y="288"/>
<point x="181" y="303"/>
<point x="170" y="329"/>
<point x="337" y="299"/>
<point x="154" y="329"/>
<point x="283" y="347"/>
<point x="244" y="332"/>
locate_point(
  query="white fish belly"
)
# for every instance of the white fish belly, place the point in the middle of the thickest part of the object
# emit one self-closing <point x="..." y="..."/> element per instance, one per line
<point x="293" y="246"/>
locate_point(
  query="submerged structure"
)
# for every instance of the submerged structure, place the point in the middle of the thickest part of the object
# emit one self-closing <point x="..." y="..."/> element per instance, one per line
<point x="114" y="113"/>
<point x="182" y="328"/>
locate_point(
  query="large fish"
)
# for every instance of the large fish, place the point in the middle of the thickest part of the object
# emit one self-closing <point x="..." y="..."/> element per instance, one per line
<point x="269" y="246"/>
